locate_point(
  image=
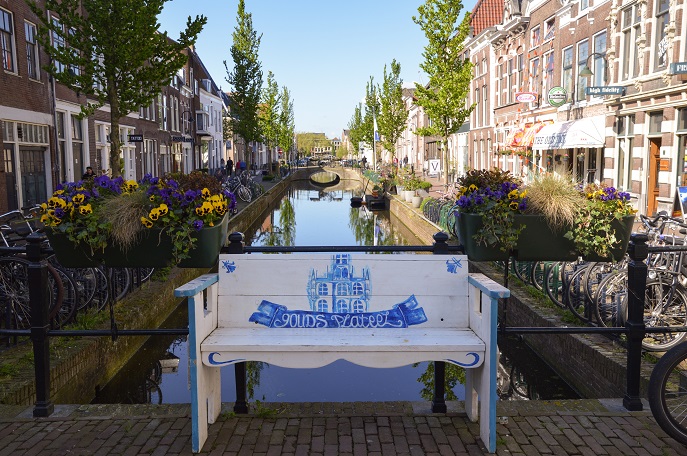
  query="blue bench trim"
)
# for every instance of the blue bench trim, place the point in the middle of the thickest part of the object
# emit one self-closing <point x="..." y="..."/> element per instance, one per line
<point x="195" y="286"/>
<point x="494" y="291"/>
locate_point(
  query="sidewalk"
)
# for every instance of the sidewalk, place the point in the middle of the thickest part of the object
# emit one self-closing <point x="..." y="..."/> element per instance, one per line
<point x="526" y="428"/>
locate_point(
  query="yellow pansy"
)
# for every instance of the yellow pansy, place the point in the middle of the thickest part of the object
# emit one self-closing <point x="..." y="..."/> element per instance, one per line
<point x="147" y="223"/>
<point x="205" y="192"/>
<point x="163" y="209"/>
<point x="85" y="210"/>
<point x="154" y="214"/>
<point x="79" y="198"/>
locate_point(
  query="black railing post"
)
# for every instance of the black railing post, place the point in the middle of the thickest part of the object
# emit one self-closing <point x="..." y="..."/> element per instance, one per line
<point x="439" y="401"/>
<point x="636" y="286"/>
<point x="236" y="245"/>
<point x="40" y="323"/>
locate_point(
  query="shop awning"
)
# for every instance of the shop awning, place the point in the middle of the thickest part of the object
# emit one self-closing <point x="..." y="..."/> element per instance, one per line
<point x="587" y="132"/>
<point x="530" y="132"/>
<point x="514" y="137"/>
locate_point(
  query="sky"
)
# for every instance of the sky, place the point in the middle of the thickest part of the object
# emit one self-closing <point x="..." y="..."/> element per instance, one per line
<point x="322" y="51"/>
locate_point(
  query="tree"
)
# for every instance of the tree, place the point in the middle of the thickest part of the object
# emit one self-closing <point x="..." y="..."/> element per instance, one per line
<point x="342" y="151"/>
<point x="268" y="114"/>
<point x="444" y="98"/>
<point x="393" y="114"/>
<point x="371" y="111"/>
<point x="355" y="128"/>
<point x="93" y="59"/>
<point x="286" y="121"/>
<point x="308" y="141"/>
<point x="245" y="79"/>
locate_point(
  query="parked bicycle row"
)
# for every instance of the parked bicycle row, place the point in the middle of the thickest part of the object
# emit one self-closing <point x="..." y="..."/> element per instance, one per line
<point x="243" y="185"/>
<point x="70" y="290"/>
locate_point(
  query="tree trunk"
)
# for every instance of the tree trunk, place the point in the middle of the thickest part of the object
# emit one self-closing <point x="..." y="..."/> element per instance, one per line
<point x="444" y="154"/>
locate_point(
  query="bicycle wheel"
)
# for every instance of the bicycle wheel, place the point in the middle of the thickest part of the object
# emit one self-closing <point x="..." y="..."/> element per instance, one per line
<point x="539" y="269"/>
<point x="663" y="307"/>
<point x="14" y="288"/>
<point x="668" y="393"/>
<point x="610" y="307"/>
<point x="576" y="299"/>
<point x="522" y="270"/>
<point x="120" y="279"/>
<point x="244" y="193"/>
<point x="555" y="282"/>
<point x="62" y="310"/>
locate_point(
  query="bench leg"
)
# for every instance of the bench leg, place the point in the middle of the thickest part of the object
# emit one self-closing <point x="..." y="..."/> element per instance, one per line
<point x="471" y="399"/>
<point x="205" y="401"/>
<point x="241" y="405"/>
<point x="439" y="403"/>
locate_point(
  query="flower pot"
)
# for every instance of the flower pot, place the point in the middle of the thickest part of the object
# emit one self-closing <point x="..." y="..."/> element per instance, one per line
<point x="408" y="195"/>
<point x="537" y="241"/>
<point x="417" y="201"/>
<point x="152" y="250"/>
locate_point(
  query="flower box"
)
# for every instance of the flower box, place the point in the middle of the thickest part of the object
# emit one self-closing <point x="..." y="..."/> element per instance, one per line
<point x="152" y="250"/>
<point x="537" y="242"/>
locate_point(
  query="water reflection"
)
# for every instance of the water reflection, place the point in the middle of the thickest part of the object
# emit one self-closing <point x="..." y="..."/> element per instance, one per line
<point x="316" y="216"/>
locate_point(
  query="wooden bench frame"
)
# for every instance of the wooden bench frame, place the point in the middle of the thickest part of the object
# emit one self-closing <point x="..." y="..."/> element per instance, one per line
<point x="220" y="337"/>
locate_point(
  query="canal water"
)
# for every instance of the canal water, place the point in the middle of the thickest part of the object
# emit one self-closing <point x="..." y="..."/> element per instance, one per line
<point x="308" y="215"/>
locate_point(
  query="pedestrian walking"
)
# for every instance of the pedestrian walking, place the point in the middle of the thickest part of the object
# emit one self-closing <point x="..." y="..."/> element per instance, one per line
<point x="89" y="174"/>
<point x="230" y="167"/>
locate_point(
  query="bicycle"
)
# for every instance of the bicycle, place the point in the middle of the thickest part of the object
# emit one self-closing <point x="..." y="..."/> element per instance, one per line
<point x="668" y="392"/>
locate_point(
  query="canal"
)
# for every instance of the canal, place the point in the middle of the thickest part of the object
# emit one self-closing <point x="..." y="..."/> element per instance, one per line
<point x="309" y="215"/>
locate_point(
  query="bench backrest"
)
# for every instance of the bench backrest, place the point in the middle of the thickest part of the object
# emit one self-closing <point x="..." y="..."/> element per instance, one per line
<point x="343" y="291"/>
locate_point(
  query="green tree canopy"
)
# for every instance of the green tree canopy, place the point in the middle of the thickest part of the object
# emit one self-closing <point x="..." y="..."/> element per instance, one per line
<point x="245" y="79"/>
<point x="268" y="115"/>
<point x="444" y="98"/>
<point x="393" y="114"/>
<point x="287" y="127"/>
<point x="113" y="53"/>
<point x="355" y="129"/>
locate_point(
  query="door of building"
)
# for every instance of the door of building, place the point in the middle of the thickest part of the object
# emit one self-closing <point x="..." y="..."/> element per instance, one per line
<point x="10" y="177"/>
<point x="33" y="178"/>
<point x="652" y="181"/>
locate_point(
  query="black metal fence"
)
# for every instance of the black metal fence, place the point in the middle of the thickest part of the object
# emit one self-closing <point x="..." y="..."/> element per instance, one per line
<point x="40" y="331"/>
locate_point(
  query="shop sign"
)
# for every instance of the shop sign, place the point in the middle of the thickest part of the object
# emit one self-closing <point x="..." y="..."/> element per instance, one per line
<point x="557" y="96"/>
<point x="181" y="139"/>
<point x="678" y="68"/>
<point x="525" y="97"/>
<point x="135" y="138"/>
<point x="605" y="90"/>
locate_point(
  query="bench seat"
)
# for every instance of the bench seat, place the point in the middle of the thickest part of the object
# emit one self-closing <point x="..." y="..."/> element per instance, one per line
<point x="308" y="348"/>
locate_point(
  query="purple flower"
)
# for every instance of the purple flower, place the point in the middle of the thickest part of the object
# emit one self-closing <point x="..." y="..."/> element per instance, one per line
<point x="198" y="225"/>
<point x="59" y="213"/>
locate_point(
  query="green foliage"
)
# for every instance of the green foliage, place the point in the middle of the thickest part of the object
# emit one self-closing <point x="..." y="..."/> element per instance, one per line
<point x="287" y="126"/>
<point x="306" y="142"/>
<point x="592" y="230"/>
<point x="556" y="197"/>
<point x="454" y="375"/>
<point x="95" y="63"/>
<point x="448" y="67"/>
<point x="268" y="114"/>
<point x="393" y="114"/>
<point x="245" y="78"/>
<point x="263" y="411"/>
<point x="355" y="129"/>
<point x="371" y="111"/>
<point x="8" y="370"/>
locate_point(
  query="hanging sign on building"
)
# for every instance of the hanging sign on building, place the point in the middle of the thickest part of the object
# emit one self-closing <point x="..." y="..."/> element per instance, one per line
<point x="678" y="68"/>
<point x="525" y="97"/>
<point x="557" y="96"/>
<point x="605" y="90"/>
<point x="183" y="139"/>
<point x="135" y="138"/>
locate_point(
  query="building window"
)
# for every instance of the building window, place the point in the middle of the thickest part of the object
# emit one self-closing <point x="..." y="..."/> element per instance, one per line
<point x="31" y="50"/>
<point x="682" y="120"/>
<point x="567" y="73"/>
<point x="598" y="64"/>
<point x="322" y="289"/>
<point x="521" y="69"/>
<point x="549" y="30"/>
<point x="655" y="120"/>
<point x="625" y="127"/>
<point x="62" y="145"/>
<point x="511" y="78"/>
<point x="74" y="69"/>
<point x="631" y="23"/>
<point x="662" y="19"/>
<point x="343" y="306"/>
<point x="548" y="72"/>
<point x="499" y="84"/>
<point x="358" y="306"/>
<point x="534" y="75"/>
<point x="342" y="289"/>
<point x="535" y="37"/>
<point x="322" y="306"/>
<point x="485" y="106"/>
<point x="58" y="42"/>
<point x="582" y="54"/>
<point x="584" y="4"/>
<point x="7" y="41"/>
<point x="77" y="147"/>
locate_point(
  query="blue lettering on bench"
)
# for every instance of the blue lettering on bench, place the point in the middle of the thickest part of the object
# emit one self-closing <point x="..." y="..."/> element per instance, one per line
<point x="230" y="266"/>
<point x="400" y="315"/>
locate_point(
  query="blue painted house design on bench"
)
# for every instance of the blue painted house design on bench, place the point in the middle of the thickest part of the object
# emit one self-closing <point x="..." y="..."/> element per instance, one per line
<point x="340" y="299"/>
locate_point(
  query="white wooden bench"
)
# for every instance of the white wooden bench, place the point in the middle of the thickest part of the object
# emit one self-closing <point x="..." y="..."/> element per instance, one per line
<point x="308" y="310"/>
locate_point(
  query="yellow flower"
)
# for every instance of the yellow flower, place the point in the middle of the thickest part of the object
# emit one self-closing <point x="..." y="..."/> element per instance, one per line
<point x="85" y="210"/>
<point x="163" y="209"/>
<point x="56" y="202"/>
<point x="472" y="187"/>
<point x="154" y="214"/>
<point x="79" y="198"/>
<point x="523" y="194"/>
<point x="130" y="185"/>
<point x="514" y="205"/>
<point x="44" y="207"/>
<point x="58" y="192"/>
<point x="147" y="223"/>
<point x="204" y="209"/>
<point x="513" y="194"/>
<point x="205" y="192"/>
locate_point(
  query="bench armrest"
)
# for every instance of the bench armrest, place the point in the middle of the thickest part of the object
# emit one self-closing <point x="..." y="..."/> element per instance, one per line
<point x="196" y="285"/>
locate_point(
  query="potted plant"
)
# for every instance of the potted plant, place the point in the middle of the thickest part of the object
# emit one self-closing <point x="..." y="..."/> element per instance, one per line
<point x="550" y="219"/>
<point x="178" y="219"/>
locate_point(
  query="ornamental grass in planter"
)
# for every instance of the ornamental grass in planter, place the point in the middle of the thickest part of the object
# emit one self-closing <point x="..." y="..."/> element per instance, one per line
<point x="550" y="219"/>
<point x="151" y="223"/>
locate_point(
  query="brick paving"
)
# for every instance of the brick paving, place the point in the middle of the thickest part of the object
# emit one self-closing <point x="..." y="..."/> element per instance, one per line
<point x="526" y="428"/>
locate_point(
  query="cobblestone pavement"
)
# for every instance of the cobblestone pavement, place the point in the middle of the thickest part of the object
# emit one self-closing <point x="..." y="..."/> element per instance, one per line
<point x="526" y="428"/>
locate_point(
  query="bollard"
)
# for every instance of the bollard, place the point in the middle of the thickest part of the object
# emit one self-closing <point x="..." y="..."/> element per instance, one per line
<point x="40" y="323"/>
<point x="636" y="287"/>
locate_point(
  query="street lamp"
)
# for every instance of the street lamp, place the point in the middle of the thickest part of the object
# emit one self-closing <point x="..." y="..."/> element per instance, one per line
<point x="586" y="72"/>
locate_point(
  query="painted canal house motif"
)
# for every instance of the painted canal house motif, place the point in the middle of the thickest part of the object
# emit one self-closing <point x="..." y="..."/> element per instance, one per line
<point x="338" y="298"/>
